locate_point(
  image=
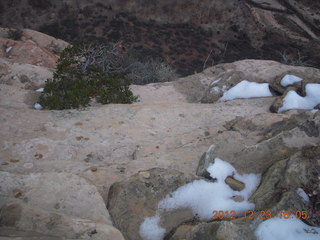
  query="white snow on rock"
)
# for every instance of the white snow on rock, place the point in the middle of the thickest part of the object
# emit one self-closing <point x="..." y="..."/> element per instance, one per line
<point x="302" y="194"/>
<point x="40" y="90"/>
<point x="151" y="230"/>
<point x="214" y="90"/>
<point x="8" y="49"/>
<point x="294" y="101"/>
<point x="203" y="197"/>
<point x="245" y="89"/>
<point x="289" y="80"/>
<point x="294" y="229"/>
<point x="37" y="106"/>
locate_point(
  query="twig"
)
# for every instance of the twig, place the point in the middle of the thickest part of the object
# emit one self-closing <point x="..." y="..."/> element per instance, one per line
<point x="205" y="62"/>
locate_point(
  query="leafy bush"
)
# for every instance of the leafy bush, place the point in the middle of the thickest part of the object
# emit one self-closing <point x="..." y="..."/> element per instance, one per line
<point x="79" y="77"/>
<point x="103" y="72"/>
<point x="116" y="58"/>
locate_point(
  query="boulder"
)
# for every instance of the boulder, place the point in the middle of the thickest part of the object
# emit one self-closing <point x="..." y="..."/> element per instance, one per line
<point x="225" y="76"/>
<point x="20" y="220"/>
<point x="136" y="198"/>
<point x="215" y="230"/>
<point x="280" y="184"/>
<point x="277" y="192"/>
<point x="308" y="75"/>
<point x="23" y="75"/>
<point x="299" y="88"/>
<point x="53" y="205"/>
<point x="44" y="41"/>
<point x="27" y="52"/>
<point x="56" y="192"/>
<point x="256" y="153"/>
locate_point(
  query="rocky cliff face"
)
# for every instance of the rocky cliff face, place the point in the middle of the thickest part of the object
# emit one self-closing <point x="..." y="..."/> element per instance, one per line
<point x="190" y="35"/>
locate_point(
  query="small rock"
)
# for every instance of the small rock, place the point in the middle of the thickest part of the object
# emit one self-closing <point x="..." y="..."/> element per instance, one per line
<point x="94" y="169"/>
<point x="145" y="175"/>
<point x="14" y="160"/>
<point x="17" y="193"/>
<point x="237" y="198"/>
<point x="92" y="232"/>
<point x="235" y="184"/>
<point x="206" y="159"/>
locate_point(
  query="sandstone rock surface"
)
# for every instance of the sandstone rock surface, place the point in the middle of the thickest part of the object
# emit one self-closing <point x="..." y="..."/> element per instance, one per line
<point x="137" y="197"/>
<point x="27" y="52"/>
<point x="260" y="71"/>
<point x="56" y="167"/>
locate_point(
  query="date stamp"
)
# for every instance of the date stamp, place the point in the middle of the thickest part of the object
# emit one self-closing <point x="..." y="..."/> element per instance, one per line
<point x="258" y="214"/>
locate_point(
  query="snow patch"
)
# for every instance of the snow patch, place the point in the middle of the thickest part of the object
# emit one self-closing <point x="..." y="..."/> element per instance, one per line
<point x="8" y="49"/>
<point x="293" y="229"/>
<point x="294" y="101"/>
<point x="203" y="197"/>
<point x="289" y="80"/>
<point x="40" y="90"/>
<point x="302" y="194"/>
<point x="214" y="90"/>
<point x="150" y="229"/>
<point x="37" y="106"/>
<point x="245" y="89"/>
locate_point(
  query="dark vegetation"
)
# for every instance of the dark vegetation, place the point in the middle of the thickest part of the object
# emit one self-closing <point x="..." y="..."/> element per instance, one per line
<point x="40" y="4"/>
<point x="100" y="72"/>
<point x="1" y="8"/>
<point x="186" y="46"/>
<point x="15" y="34"/>
<point x="82" y="74"/>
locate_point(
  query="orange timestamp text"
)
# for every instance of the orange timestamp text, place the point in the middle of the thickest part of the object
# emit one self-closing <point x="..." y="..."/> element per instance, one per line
<point x="267" y="214"/>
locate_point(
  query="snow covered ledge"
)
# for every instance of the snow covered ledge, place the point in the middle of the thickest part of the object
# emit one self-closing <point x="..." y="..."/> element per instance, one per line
<point x="204" y="198"/>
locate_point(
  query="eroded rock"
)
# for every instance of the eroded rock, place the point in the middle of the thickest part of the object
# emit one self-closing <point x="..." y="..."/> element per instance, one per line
<point x="21" y="220"/>
<point x="228" y="75"/>
<point x="57" y="192"/>
<point x="134" y="199"/>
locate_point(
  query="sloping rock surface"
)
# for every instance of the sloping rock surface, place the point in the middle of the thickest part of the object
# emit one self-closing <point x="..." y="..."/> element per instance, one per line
<point x="57" y="166"/>
<point x="229" y="75"/>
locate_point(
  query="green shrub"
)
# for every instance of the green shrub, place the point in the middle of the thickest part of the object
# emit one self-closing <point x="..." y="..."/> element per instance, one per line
<point x="103" y="72"/>
<point x="79" y="77"/>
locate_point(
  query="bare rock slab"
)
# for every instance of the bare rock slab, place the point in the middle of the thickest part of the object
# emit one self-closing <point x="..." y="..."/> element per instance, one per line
<point x="57" y="192"/>
<point x="19" y="220"/>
